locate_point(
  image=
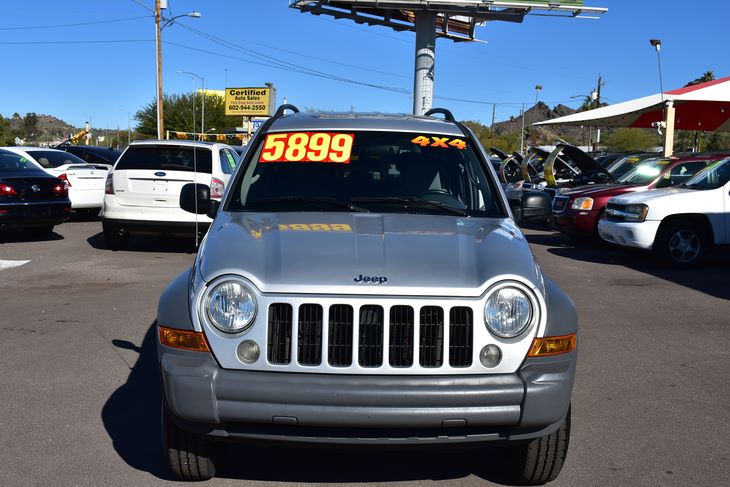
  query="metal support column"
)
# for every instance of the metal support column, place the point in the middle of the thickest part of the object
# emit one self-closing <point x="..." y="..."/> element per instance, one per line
<point x="669" y="129"/>
<point x="425" y="62"/>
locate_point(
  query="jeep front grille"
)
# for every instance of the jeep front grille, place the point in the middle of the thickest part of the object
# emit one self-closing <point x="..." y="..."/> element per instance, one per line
<point x="461" y="337"/>
<point x="370" y="340"/>
<point x="310" y="334"/>
<point x="280" y="325"/>
<point x="339" y="353"/>
<point x="432" y="336"/>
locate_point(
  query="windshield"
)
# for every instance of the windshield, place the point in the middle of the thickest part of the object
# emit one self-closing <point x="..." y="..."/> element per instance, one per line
<point x="645" y="172"/>
<point x="166" y="157"/>
<point x="624" y="164"/>
<point x="11" y="162"/>
<point x="394" y="172"/>
<point x="712" y="177"/>
<point x="51" y="158"/>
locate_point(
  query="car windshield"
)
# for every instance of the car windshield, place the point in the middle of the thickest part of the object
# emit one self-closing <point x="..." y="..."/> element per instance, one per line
<point x="51" y="159"/>
<point x="394" y="172"/>
<point x="713" y="176"/>
<point x="11" y="162"/>
<point x="166" y="158"/>
<point x="624" y="164"/>
<point x="645" y="172"/>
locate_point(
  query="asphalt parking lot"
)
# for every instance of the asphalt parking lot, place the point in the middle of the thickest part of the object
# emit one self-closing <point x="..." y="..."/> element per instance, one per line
<point x="80" y="392"/>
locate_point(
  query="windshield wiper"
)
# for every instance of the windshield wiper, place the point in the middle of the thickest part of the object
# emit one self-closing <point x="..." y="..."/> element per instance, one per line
<point x="413" y="203"/>
<point x="298" y="201"/>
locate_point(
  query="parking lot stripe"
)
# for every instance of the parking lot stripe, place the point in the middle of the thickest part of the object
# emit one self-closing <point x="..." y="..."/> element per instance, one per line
<point x="9" y="264"/>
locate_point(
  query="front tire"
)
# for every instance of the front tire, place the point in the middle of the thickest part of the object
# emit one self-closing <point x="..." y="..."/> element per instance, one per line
<point x="682" y="243"/>
<point x="540" y="460"/>
<point x="187" y="454"/>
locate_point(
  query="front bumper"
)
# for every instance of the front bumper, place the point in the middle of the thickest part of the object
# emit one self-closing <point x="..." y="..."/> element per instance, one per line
<point x="574" y="221"/>
<point x="639" y="235"/>
<point x="352" y="409"/>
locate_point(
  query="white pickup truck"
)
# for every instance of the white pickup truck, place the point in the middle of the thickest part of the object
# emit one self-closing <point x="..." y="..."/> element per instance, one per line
<point x="680" y="224"/>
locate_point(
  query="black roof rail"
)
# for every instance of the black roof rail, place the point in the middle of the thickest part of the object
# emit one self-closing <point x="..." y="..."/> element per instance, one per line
<point x="282" y="108"/>
<point x="446" y="113"/>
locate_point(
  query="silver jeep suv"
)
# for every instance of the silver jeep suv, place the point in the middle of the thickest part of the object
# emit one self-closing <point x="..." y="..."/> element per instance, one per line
<point x="364" y="282"/>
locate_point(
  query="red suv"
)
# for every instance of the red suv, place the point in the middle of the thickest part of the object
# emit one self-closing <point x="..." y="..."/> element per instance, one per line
<point x="576" y="212"/>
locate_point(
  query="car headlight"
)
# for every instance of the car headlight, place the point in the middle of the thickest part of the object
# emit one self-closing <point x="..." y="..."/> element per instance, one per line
<point x="508" y="312"/>
<point x="584" y="204"/>
<point x="231" y="306"/>
<point x="635" y="213"/>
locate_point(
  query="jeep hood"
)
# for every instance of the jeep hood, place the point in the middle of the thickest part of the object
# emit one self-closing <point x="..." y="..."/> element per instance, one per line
<point x="325" y="252"/>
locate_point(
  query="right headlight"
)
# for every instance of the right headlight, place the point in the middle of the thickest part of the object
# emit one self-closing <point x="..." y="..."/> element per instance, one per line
<point x="230" y="306"/>
<point x="508" y="312"/>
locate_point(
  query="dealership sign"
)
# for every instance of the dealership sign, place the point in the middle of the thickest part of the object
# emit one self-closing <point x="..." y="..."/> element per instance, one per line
<point x="250" y="102"/>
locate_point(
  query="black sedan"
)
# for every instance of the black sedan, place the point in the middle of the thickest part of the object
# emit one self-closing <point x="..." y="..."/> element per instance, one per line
<point x="30" y="198"/>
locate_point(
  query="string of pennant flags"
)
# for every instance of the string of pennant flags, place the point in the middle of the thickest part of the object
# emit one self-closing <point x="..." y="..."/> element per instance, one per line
<point x="238" y="139"/>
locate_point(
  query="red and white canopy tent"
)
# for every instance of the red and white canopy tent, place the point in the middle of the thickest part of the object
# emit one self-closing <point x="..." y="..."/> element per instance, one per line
<point x="705" y="106"/>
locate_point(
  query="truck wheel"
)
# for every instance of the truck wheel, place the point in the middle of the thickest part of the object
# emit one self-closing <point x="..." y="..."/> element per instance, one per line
<point x="187" y="454"/>
<point x="114" y="239"/>
<point x="540" y="460"/>
<point x="682" y="243"/>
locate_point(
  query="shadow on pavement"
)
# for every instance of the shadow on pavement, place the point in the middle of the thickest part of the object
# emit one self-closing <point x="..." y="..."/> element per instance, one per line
<point x="131" y="415"/>
<point x="140" y="243"/>
<point x="318" y="465"/>
<point x="712" y="277"/>
<point x="17" y="235"/>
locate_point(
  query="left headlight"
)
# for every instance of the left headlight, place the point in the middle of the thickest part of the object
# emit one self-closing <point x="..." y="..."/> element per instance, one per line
<point x="584" y="204"/>
<point x="508" y="312"/>
<point x="231" y="306"/>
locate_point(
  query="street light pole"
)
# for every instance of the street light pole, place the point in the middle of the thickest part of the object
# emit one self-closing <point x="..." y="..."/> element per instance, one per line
<point x="158" y="56"/>
<point x="202" y="82"/>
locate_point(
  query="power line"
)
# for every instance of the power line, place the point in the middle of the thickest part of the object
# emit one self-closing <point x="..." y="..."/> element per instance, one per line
<point x="286" y="65"/>
<point x="95" y="22"/>
<point x="97" y="41"/>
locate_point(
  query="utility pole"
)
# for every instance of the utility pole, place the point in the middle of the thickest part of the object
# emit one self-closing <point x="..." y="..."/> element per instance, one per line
<point x="494" y="112"/>
<point x="158" y="43"/>
<point x="597" y="104"/>
<point x="522" y="131"/>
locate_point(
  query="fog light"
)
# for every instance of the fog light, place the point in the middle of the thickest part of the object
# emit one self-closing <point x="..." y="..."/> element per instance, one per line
<point x="490" y="356"/>
<point x="248" y="351"/>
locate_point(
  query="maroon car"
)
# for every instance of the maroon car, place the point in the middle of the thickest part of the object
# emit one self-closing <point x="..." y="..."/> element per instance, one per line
<point x="577" y="211"/>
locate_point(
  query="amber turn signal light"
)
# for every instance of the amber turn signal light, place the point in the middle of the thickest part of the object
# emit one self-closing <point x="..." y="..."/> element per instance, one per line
<point x="186" y="340"/>
<point x="542" y="347"/>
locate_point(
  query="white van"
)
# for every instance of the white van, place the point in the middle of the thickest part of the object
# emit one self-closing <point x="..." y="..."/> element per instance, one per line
<point x="143" y="189"/>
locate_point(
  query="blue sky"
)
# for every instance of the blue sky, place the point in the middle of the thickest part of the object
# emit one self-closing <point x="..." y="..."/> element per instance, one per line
<point x="47" y="70"/>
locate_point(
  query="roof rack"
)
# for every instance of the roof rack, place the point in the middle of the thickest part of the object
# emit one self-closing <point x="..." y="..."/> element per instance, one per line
<point x="446" y="113"/>
<point x="282" y="108"/>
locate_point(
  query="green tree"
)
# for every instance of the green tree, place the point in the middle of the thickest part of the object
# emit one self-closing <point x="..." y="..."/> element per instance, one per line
<point x="708" y="75"/>
<point x="6" y="136"/>
<point x="178" y="112"/>
<point x="624" y="139"/>
<point x="30" y="126"/>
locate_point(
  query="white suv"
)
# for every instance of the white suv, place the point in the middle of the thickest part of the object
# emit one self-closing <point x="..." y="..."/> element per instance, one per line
<point x="680" y="224"/>
<point x="143" y="190"/>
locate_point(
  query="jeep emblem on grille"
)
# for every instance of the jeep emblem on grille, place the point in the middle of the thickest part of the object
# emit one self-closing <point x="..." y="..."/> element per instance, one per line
<point x="373" y="279"/>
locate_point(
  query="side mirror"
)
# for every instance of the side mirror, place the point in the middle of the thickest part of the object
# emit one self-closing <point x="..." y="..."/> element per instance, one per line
<point x="534" y="206"/>
<point x="195" y="198"/>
